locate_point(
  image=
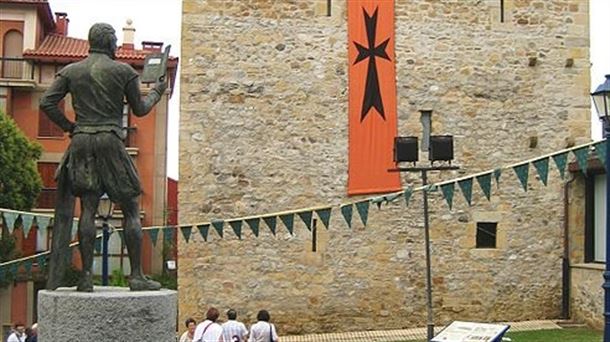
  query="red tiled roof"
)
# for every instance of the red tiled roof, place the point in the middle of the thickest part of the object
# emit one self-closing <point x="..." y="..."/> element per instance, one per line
<point x="56" y="46"/>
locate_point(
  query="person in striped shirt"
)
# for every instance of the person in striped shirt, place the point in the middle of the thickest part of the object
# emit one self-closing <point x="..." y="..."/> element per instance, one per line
<point x="233" y="330"/>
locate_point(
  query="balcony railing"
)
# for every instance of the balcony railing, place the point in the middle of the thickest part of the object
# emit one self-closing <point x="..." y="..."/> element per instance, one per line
<point x="15" y="68"/>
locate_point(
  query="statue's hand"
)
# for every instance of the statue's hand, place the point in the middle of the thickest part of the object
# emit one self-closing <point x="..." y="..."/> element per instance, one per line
<point x="161" y="85"/>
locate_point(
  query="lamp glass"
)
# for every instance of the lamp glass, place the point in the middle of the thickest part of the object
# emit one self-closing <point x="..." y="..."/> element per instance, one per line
<point x="104" y="208"/>
<point x="602" y="104"/>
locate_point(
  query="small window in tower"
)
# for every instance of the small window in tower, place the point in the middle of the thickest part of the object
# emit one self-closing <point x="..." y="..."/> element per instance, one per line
<point x="486" y="234"/>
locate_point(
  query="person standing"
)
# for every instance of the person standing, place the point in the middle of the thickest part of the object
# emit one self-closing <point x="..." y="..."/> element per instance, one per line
<point x="190" y="330"/>
<point x="233" y="330"/>
<point x="209" y="330"/>
<point x="18" y="334"/>
<point x="263" y="331"/>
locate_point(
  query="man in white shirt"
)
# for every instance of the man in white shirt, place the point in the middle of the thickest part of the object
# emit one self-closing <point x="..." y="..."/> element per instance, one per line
<point x="209" y="330"/>
<point x="232" y="330"/>
<point x="18" y="334"/>
<point x="263" y="331"/>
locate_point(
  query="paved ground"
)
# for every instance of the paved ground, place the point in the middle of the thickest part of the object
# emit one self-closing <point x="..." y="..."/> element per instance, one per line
<point x="403" y="334"/>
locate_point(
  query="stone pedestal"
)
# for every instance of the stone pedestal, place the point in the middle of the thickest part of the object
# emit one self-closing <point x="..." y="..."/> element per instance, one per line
<point x="109" y="314"/>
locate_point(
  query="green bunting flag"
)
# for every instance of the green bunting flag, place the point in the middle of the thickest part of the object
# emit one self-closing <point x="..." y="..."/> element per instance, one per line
<point x="98" y="244"/>
<point x="288" y="220"/>
<point x="561" y="161"/>
<point x="168" y="233"/>
<point x="485" y="184"/>
<point x="41" y="260"/>
<point x="26" y="224"/>
<point x="306" y="218"/>
<point x="378" y="201"/>
<point x="9" y="220"/>
<point x="28" y="266"/>
<point x="271" y="222"/>
<point x="497" y="174"/>
<point x="466" y="187"/>
<point x="153" y="234"/>
<point x="363" y="211"/>
<point x="582" y="154"/>
<point x="186" y="232"/>
<point x="42" y="222"/>
<point x="254" y="223"/>
<point x="522" y="172"/>
<point x="407" y="194"/>
<point x="236" y="226"/>
<point x="13" y="268"/>
<point x="601" y="148"/>
<point x="2" y="273"/>
<point x="218" y="226"/>
<point x="324" y="215"/>
<point x="203" y="230"/>
<point x="346" y="211"/>
<point x="542" y="166"/>
<point x="448" y="190"/>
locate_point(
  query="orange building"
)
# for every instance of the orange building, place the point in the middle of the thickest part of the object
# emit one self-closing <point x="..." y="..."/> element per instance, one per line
<point x="35" y="45"/>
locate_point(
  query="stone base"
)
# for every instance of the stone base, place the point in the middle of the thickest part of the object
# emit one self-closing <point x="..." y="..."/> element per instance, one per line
<point x="109" y="314"/>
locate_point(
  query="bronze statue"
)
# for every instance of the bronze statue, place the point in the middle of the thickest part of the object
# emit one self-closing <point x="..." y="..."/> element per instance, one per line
<point x="96" y="161"/>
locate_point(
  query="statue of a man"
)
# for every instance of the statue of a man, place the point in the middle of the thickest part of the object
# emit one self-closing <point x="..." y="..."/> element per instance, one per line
<point x="96" y="161"/>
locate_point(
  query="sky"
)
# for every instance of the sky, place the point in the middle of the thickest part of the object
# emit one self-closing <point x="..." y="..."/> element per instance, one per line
<point x="159" y="20"/>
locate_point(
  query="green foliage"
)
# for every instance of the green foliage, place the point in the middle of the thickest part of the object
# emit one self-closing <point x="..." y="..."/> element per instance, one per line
<point x="118" y="279"/>
<point x="20" y="182"/>
<point x="7" y="252"/>
<point x="167" y="281"/>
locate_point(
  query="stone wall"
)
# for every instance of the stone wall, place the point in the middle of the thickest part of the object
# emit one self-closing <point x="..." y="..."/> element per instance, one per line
<point x="264" y="129"/>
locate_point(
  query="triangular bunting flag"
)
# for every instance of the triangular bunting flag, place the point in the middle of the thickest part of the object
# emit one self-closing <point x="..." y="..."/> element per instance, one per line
<point x="582" y="154"/>
<point x="13" y="269"/>
<point x="28" y="266"/>
<point x="485" y="184"/>
<point x="41" y="260"/>
<point x="204" y="230"/>
<point x="254" y="223"/>
<point x="271" y="222"/>
<point x="26" y="223"/>
<point x="168" y="233"/>
<point x="448" y="190"/>
<point x="42" y="222"/>
<point x="466" y="187"/>
<point x="9" y="220"/>
<point x="2" y="272"/>
<point x="522" y="172"/>
<point x="98" y="245"/>
<point x="363" y="211"/>
<point x="324" y="215"/>
<point x="306" y="218"/>
<point x="346" y="211"/>
<point x="218" y="226"/>
<point x="153" y="233"/>
<point x="497" y="174"/>
<point x="561" y="161"/>
<point x="236" y="226"/>
<point x="288" y="220"/>
<point x="407" y="195"/>
<point x="378" y="201"/>
<point x="601" y="148"/>
<point x="186" y="232"/>
<point x="542" y="166"/>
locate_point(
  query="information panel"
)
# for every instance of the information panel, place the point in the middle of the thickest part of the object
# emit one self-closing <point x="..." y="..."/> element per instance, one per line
<point x="471" y="332"/>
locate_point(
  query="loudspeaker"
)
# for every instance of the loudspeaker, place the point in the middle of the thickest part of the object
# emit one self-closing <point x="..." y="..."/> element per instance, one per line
<point x="405" y="149"/>
<point x="441" y="148"/>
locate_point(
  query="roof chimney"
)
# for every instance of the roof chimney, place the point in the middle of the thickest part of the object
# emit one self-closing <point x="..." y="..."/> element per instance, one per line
<point x="61" y="23"/>
<point x="152" y="46"/>
<point x="128" y="35"/>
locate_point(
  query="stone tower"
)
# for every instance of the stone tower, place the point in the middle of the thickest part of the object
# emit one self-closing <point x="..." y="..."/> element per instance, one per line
<point x="264" y="129"/>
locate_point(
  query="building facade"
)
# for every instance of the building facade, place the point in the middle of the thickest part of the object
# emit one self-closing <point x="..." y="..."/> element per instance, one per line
<point x="35" y="46"/>
<point x="264" y="129"/>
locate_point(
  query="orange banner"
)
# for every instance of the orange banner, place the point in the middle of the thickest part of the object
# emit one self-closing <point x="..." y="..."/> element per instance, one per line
<point x="372" y="97"/>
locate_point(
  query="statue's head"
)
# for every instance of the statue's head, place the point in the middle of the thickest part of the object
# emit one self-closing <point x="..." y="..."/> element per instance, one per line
<point x="102" y="39"/>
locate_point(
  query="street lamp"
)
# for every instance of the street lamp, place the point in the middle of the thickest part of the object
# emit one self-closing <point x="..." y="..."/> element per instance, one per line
<point x="104" y="210"/>
<point x="601" y="100"/>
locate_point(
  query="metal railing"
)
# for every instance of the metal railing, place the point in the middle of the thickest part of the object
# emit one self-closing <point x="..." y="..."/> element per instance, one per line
<point x="16" y="68"/>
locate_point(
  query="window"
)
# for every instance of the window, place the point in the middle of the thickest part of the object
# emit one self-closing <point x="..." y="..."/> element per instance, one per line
<point x="46" y="127"/>
<point x="486" y="234"/>
<point x="595" y="219"/>
<point x="48" y="194"/>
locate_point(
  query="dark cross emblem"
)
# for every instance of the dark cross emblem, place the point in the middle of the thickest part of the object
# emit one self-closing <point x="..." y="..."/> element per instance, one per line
<point x="372" y="97"/>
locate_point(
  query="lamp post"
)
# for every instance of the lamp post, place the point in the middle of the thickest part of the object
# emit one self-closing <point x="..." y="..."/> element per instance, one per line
<point x="601" y="100"/>
<point x="104" y="210"/>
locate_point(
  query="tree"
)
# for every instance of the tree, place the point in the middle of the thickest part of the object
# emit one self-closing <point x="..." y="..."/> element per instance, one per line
<point x="20" y="182"/>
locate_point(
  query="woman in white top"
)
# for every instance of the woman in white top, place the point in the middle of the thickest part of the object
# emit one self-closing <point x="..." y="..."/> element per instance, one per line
<point x="209" y="330"/>
<point x="190" y="331"/>
<point x="263" y="331"/>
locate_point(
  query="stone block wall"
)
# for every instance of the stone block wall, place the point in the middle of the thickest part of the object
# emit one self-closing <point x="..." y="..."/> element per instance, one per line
<point x="264" y="129"/>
